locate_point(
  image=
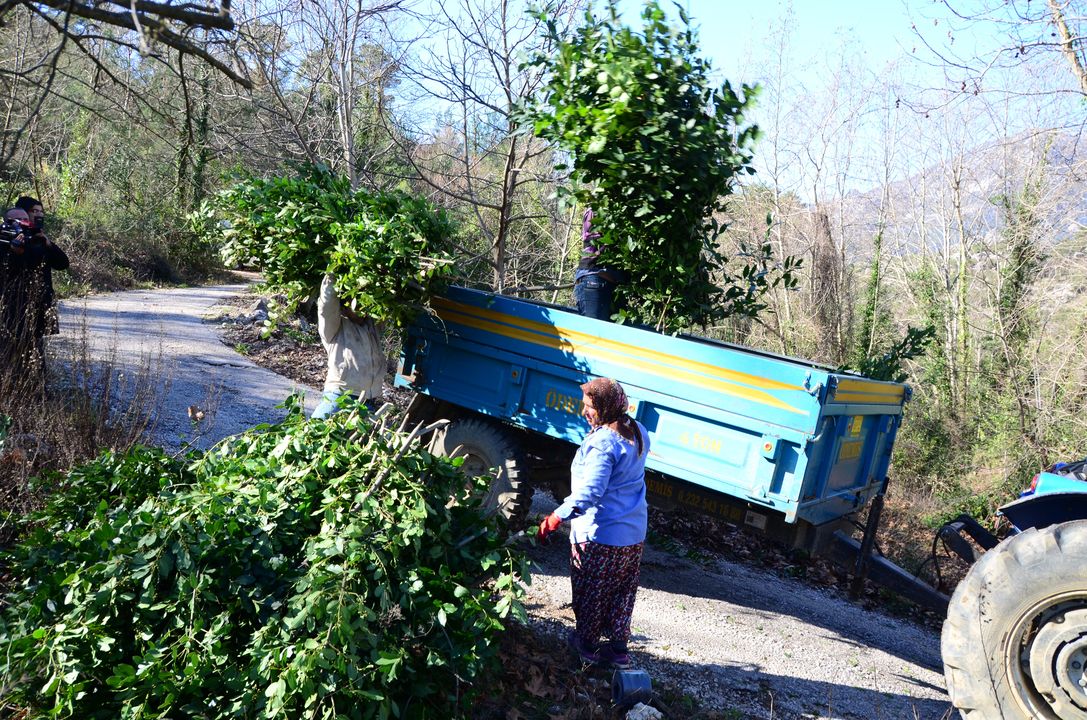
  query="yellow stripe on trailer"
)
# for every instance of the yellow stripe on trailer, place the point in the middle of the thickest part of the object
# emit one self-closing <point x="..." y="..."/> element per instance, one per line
<point x="866" y="391"/>
<point x="581" y="340"/>
<point x="621" y="353"/>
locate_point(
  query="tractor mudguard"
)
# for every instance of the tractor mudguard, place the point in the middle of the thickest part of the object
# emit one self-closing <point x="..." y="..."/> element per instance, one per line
<point x="1041" y="511"/>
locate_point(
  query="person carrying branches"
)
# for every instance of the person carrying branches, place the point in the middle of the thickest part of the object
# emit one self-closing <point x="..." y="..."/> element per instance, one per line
<point x="371" y="258"/>
<point x="356" y="361"/>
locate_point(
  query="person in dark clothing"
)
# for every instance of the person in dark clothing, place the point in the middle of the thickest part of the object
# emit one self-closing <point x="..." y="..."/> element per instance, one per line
<point x="26" y="286"/>
<point x="594" y="282"/>
<point x="55" y="258"/>
<point x="32" y="207"/>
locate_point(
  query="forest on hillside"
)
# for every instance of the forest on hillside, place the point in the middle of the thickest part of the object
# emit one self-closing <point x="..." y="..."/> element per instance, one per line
<point x="941" y="191"/>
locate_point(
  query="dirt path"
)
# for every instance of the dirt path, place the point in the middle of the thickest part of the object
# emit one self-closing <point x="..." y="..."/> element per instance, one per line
<point x="758" y="646"/>
<point x="751" y="643"/>
<point x="167" y="332"/>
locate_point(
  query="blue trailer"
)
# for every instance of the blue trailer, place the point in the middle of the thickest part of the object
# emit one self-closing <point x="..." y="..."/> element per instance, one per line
<point x="777" y="444"/>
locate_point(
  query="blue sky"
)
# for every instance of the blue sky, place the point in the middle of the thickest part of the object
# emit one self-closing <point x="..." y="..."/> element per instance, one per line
<point x="832" y="43"/>
<point x="733" y="32"/>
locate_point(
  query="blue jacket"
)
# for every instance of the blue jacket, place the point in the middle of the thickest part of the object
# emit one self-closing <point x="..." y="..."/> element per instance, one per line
<point x="607" y="481"/>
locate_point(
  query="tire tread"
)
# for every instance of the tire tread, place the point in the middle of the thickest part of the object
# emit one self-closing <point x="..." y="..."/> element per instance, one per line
<point x="1020" y="571"/>
<point x="500" y="442"/>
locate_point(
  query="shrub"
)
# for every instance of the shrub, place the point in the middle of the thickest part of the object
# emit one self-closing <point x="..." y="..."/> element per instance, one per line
<point x="956" y="498"/>
<point x="308" y="569"/>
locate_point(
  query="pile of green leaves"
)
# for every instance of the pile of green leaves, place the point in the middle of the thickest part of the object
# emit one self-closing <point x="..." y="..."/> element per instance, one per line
<point x="655" y="151"/>
<point x="307" y="569"/>
<point x="389" y="251"/>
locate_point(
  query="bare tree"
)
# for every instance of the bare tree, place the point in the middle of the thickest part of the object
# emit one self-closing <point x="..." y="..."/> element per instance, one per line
<point x="321" y="71"/>
<point x="344" y="31"/>
<point x="146" y="23"/>
<point x="785" y="207"/>
<point x="70" y="37"/>
<point x="813" y="160"/>
<point x="471" y="68"/>
<point x="1034" y="37"/>
<point x="826" y="289"/>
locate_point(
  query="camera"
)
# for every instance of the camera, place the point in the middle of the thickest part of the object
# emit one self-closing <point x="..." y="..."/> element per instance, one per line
<point x="12" y="232"/>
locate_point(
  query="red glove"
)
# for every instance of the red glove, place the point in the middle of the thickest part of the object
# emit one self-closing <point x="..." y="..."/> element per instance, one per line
<point x="547" y="526"/>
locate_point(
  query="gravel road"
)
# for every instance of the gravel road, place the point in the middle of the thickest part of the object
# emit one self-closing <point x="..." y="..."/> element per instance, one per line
<point x="744" y="640"/>
<point x="167" y="332"/>
<point x="759" y="646"/>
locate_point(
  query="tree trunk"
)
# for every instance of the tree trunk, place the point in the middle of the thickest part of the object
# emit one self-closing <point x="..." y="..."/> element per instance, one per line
<point x="1068" y="48"/>
<point x="826" y="289"/>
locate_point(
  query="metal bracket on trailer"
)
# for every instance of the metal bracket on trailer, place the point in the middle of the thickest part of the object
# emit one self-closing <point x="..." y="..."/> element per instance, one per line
<point x="857" y="557"/>
<point x="868" y="541"/>
<point x="951" y="534"/>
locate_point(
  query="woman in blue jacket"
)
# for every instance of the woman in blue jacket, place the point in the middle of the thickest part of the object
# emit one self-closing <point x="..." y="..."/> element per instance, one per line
<point x="608" y="516"/>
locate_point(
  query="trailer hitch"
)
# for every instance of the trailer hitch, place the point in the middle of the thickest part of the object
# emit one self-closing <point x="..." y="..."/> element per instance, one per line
<point x="858" y="558"/>
<point x="952" y="536"/>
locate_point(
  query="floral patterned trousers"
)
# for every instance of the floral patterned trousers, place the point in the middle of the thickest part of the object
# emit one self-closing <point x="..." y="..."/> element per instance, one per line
<point x="604" y="581"/>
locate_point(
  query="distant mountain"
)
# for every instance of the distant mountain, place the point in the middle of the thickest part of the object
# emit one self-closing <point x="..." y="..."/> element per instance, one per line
<point x="925" y="209"/>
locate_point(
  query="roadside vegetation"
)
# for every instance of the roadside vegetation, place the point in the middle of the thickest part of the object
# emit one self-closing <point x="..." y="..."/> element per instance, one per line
<point x="304" y="569"/>
<point x="49" y="425"/>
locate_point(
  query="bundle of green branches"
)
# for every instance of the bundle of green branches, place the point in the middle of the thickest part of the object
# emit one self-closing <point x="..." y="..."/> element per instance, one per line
<point x="655" y="150"/>
<point x="388" y="251"/>
<point x="300" y="570"/>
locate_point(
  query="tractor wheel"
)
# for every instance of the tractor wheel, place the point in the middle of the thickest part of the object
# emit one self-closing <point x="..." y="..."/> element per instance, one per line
<point x="1015" y="640"/>
<point x="486" y="446"/>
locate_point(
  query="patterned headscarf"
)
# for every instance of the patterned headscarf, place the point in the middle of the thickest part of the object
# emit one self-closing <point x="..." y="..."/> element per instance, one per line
<point x="611" y="405"/>
<point x="609" y="399"/>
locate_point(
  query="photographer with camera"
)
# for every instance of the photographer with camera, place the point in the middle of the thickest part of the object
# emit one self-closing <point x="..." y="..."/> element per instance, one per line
<point x="27" y="261"/>
<point x="54" y="259"/>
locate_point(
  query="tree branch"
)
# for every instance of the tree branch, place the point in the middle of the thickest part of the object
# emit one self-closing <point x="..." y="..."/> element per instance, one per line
<point x="189" y="14"/>
<point x="151" y="20"/>
<point x="1068" y="48"/>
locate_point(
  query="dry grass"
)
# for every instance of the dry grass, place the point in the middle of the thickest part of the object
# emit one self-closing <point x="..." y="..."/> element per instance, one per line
<point x="62" y="416"/>
<point x="907" y="539"/>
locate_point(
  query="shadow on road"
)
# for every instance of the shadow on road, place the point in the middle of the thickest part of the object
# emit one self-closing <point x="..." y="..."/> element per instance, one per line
<point x="764" y="595"/>
<point x="750" y="692"/>
<point x="784" y="698"/>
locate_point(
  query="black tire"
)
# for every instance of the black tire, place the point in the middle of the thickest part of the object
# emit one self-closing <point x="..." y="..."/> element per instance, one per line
<point x="1014" y="643"/>
<point x="486" y="446"/>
